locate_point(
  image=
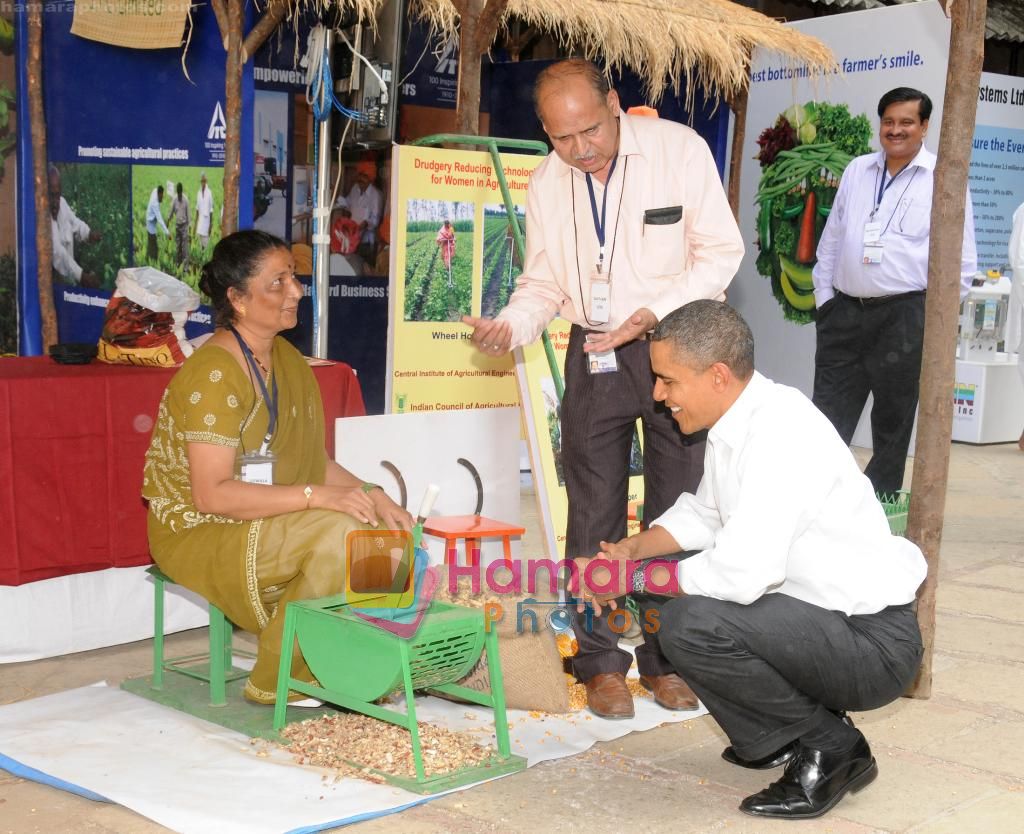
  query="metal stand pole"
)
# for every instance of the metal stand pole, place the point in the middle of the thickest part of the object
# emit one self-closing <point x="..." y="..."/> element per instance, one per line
<point x="321" y="222"/>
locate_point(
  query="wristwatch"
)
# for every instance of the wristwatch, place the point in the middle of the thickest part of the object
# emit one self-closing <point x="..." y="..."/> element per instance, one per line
<point x="367" y="487"/>
<point x="638" y="583"/>
<point x="308" y="492"/>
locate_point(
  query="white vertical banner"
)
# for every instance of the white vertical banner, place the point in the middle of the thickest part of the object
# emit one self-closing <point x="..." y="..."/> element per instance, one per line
<point x="818" y="125"/>
<point x="997" y="165"/>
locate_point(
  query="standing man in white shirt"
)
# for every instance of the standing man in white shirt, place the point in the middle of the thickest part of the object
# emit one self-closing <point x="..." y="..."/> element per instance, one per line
<point x="204" y="211"/>
<point x="869" y="285"/>
<point x="625" y="221"/>
<point x="66" y="230"/>
<point x="154" y="220"/>
<point x="798" y="604"/>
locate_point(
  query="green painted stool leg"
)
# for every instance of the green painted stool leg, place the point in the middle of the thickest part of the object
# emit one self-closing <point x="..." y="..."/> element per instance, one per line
<point x="284" y="670"/>
<point x="410" y="710"/>
<point x="158" y="632"/>
<point x="497" y="693"/>
<point x="218" y="696"/>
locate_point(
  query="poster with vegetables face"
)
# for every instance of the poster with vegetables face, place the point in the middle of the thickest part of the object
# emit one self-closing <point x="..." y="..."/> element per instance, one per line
<point x="802" y="156"/>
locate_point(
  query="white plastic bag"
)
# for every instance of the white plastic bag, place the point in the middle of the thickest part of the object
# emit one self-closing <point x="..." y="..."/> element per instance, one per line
<point x="156" y="290"/>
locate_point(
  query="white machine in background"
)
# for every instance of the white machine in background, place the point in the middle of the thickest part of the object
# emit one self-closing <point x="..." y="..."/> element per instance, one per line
<point x="988" y="400"/>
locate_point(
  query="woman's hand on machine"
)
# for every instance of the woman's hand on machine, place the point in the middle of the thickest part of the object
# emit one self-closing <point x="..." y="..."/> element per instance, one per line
<point x="350" y="500"/>
<point x="391" y="516"/>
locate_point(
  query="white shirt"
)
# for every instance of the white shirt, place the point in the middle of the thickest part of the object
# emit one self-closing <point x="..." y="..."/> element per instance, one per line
<point x="366" y="205"/>
<point x="153" y="215"/>
<point x="66" y="229"/>
<point x="660" y="165"/>
<point x="783" y="508"/>
<point x="204" y="209"/>
<point x="905" y="217"/>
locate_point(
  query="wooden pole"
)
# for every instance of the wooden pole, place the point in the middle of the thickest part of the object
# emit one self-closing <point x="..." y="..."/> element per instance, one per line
<point x="478" y="25"/>
<point x="738" y="105"/>
<point x="44" y="227"/>
<point x="935" y="414"/>
<point x="232" y="116"/>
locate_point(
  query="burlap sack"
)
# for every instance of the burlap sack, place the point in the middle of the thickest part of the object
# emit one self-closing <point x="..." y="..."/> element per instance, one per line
<point x="531" y="665"/>
<point x="138" y="24"/>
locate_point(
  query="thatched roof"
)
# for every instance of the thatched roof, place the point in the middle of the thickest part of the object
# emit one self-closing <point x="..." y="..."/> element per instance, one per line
<point x="665" y="42"/>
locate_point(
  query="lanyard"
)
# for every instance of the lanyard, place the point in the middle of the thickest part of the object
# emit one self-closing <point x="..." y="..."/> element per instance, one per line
<point x="884" y="186"/>
<point x="271" y="401"/>
<point x="599" y="223"/>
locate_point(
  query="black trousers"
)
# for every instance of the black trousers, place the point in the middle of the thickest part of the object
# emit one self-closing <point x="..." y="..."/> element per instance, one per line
<point x="876" y="348"/>
<point x="768" y="672"/>
<point x="599" y="412"/>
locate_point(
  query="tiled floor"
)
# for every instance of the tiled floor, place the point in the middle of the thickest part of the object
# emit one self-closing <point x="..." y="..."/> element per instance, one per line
<point x="953" y="764"/>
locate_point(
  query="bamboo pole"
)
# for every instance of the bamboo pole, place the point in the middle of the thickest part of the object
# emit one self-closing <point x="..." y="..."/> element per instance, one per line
<point x="935" y="416"/>
<point x="738" y="105"/>
<point x="478" y="24"/>
<point x="232" y="116"/>
<point x="44" y="225"/>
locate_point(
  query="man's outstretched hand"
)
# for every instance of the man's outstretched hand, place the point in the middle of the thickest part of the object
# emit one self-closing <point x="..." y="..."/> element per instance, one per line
<point x="635" y="326"/>
<point x="491" y="337"/>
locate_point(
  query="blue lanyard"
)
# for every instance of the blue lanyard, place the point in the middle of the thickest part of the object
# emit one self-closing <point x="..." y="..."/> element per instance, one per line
<point x="271" y="401"/>
<point x="599" y="222"/>
<point x="884" y="186"/>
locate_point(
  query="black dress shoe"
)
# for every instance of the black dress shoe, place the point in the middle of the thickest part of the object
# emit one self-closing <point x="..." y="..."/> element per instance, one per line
<point x="779" y="757"/>
<point x="814" y="781"/>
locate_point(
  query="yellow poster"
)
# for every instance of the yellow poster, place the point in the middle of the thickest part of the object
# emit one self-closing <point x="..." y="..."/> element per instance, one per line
<point x="453" y="255"/>
<point x="542" y="415"/>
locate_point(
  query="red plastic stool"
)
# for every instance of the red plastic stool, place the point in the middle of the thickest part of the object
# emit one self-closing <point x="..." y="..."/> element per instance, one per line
<point x="472" y="528"/>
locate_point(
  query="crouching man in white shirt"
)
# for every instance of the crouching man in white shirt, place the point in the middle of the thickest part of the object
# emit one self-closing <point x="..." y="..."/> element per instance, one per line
<point x="797" y="603"/>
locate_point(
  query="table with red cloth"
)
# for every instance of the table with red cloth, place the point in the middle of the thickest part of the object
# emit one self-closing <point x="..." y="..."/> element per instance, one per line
<point x="72" y="443"/>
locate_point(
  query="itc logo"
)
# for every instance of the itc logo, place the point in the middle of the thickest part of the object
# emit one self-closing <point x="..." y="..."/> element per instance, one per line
<point x="218" y="125"/>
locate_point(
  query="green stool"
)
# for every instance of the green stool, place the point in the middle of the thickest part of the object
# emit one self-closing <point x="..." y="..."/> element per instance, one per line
<point x="214" y="667"/>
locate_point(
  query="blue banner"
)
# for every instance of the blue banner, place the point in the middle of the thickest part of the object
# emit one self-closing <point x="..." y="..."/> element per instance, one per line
<point x="135" y="154"/>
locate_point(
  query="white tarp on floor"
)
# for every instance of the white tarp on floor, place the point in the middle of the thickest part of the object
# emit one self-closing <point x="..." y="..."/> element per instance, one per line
<point x="192" y="776"/>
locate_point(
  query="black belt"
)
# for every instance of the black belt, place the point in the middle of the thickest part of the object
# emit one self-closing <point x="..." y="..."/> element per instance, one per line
<point x="876" y="301"/>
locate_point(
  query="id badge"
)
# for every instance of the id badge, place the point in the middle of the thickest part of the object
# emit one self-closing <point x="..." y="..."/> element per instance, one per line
<point x="600" y="298"/>
<point x="602" y="363"/>
<point x="258" y="468"/>
<point x="872" y="232"/>
<point x="873" y="253"/>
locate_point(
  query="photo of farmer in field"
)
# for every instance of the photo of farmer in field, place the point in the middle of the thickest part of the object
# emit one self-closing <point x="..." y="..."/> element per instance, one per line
<point x="170" y="210"/>
<point x="502" y="263"/>
<point x="446" y="240"/>
<point x="439" y="245"/>
<point x="90" y="210"/>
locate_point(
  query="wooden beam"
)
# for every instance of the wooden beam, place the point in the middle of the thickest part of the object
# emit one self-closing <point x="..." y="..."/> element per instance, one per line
<point x="232" y="116"/>
<point x="265" y="27"/>
<point x="478" y="25"/>
<point x="738" y="105"/>
<point x="221" y="13"/>
<point x="44" y="225"/>
<point x="938" y="366"/>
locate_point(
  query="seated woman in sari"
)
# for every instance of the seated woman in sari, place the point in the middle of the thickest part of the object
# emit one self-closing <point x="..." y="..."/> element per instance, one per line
<point x="245" y="507"/>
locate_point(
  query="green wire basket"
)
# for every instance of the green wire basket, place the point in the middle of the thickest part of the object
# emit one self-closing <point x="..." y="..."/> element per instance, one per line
<point x="896" y="506"/>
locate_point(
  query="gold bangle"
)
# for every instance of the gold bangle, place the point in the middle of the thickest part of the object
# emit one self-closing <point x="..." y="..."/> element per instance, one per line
<point x="308" y="492"/>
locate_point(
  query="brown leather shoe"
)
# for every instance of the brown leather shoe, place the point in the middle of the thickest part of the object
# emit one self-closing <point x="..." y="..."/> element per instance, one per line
<point x="608" y="696"/>
<point x="670" y="691"/>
